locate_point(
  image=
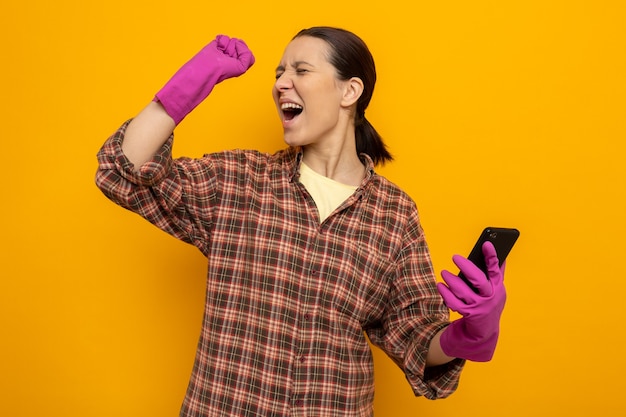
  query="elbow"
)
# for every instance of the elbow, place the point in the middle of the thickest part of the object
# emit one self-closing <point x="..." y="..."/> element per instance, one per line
<point x="114" y="187"/>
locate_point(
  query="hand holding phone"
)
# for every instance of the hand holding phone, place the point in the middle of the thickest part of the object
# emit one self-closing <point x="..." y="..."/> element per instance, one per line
<point x="475" y="335"/>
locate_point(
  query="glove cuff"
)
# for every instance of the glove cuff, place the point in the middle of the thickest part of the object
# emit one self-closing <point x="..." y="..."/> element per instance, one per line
<point x="458" y="342"/>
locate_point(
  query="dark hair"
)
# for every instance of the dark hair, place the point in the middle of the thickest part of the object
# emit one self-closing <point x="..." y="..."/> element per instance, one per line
<point x="351" y="58"/>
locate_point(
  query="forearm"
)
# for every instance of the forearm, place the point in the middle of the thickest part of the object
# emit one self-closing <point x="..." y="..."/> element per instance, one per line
<point x="146" y="133"/>
<point x="435" y="355"/>
<point x="222" y="58"/>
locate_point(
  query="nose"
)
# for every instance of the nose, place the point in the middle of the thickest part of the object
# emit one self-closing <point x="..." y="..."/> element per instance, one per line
<point x="283" y="82"/>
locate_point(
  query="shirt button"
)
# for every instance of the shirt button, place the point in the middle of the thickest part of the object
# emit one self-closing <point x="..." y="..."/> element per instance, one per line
<point x="307" y="316"/>
<point x="314" y="272"/>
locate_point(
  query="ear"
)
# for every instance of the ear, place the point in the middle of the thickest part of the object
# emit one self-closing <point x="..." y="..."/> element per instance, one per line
<point x="352" y="91"/>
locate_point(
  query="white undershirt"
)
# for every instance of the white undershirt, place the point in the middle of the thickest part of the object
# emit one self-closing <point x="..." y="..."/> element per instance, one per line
<point x="328" y="194"/>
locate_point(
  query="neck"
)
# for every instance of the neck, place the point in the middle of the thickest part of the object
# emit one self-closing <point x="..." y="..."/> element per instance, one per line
<point x="341" y="164"/>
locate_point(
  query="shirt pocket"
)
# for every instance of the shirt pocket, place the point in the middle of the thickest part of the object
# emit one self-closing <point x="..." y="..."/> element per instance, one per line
<point x="361" y="288"/>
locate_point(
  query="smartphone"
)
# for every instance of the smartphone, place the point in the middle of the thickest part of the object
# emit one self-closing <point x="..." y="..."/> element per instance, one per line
<point x="503" y="239"/>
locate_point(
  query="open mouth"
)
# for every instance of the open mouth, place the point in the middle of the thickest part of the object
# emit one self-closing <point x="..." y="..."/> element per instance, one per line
<point x="290" y="110"/>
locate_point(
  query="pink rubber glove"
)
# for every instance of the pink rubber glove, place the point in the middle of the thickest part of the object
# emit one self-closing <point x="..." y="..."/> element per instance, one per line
<point x="223" y="58"/>
<point x="475" y="335"/>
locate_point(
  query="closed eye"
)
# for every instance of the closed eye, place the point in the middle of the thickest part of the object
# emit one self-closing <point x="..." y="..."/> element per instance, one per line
<point x="280" y="70"/>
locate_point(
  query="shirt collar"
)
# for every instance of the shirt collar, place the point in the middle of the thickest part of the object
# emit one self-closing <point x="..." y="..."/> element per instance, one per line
<point x="294" y="159"/>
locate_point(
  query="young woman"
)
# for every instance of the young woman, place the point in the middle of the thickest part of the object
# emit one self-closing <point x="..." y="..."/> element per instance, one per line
<point x="308" y="248"/>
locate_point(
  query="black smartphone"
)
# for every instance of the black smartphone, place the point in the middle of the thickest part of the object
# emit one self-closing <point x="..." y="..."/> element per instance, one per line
<point x="503" y="239"/>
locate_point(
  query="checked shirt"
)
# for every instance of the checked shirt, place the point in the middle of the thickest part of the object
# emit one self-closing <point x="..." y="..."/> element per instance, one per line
<point x="290" y="300"/>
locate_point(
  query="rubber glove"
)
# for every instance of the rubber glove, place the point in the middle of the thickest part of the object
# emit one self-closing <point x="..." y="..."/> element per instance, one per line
<point x="222" y="58"/>
<point x="475" y="335"/>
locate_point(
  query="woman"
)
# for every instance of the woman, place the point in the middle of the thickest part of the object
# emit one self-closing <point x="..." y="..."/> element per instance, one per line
<point x="308" y="248"/>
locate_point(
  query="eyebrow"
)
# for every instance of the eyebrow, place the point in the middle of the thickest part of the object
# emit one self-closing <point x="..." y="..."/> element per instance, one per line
<point x="295" y="64"/>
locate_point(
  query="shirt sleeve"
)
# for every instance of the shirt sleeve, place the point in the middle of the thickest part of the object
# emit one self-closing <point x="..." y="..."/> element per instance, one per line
<point x="176" y="196"/>
<point x="415" y="314"/>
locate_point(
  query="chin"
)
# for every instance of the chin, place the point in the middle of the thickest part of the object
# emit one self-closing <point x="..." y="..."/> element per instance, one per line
<point x="293" y="140"/>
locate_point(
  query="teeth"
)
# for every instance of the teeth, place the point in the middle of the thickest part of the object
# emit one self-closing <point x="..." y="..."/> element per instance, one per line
<point x="286" y="106"/>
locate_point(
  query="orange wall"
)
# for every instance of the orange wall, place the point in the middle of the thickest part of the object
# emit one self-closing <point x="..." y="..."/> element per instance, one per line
<point x="498" y="113"/>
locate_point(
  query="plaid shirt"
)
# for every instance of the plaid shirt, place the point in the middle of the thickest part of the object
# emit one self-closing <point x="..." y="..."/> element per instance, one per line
<point x="289" y="299"/>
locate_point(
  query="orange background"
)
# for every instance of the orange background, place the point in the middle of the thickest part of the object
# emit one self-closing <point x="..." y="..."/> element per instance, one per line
<point x="498" y="113"/>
